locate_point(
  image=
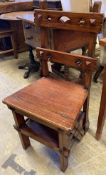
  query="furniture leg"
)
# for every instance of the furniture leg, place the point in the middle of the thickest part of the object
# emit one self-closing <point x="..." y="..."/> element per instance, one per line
<point x="64" y="152"/>
<point x="14" y="45"/>
<point x="86" y="119"/>
<point x="19" y="121"/>
<point x="33" y="65"/>
<point x="102" y="112"/>
<point x="98" y="72"/>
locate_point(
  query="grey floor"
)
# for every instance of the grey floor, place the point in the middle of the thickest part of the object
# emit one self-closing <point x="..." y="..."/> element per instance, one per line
<point x="87" y="157"/>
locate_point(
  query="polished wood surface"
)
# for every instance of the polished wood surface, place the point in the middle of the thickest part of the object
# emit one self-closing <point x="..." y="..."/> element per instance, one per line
<point x="44" y="101"/>
<point x="26" y="16"/>
<point x="47" y="107"/>
<point x="17" y="5"/>
<point x="18" y="16"/>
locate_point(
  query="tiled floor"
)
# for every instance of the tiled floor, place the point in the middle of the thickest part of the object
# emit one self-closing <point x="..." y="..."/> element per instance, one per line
<point x="87" y="157"/>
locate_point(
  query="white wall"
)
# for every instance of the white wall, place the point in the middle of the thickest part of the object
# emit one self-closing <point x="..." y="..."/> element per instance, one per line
<point x="76" y="5"/>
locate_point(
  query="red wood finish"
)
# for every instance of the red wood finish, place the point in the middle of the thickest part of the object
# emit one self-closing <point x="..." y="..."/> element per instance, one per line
<point x="17" y="5"/>
<point x="8" y="33"/>
<point x="59" y="111"/>
<point x="59" y="106"/>
<point x="54" y="104"/>
<point x="75" y="31"/>
<point x="87" y="22"/>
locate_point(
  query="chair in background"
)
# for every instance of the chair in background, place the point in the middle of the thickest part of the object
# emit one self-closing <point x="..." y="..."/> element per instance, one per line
<point x="53" y="105"/>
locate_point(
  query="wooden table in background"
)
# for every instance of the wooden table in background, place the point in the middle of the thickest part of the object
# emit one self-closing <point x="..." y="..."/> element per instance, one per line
<point x="16" y="5"/>
<point x="6" y="11"/>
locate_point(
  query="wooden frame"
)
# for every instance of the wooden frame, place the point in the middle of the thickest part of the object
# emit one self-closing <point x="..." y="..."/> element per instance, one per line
<point x="63" y="133"/>
<point x="36" y="107"/>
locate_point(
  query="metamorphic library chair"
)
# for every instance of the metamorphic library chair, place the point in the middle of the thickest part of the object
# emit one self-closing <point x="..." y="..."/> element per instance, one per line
<point x="53" y="104"/>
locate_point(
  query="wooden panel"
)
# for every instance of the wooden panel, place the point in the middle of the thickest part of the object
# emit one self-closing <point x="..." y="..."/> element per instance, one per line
<point x="41" y="133"/>
<point x="87" y="22"/>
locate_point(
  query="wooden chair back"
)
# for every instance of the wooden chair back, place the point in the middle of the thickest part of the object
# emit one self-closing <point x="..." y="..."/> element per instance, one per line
<point x="82" y="63"/>
<point x="70" y="30"/>
<point x="96" y="7"/>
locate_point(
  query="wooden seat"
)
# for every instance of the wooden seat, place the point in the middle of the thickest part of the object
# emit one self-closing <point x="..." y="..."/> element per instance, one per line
<point x="51" y="106"/>
<point x="58" y="107"/>
<point x="4" y="33"/>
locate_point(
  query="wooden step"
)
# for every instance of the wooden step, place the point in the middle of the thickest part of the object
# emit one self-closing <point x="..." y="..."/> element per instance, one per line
<point x="42" y="134"/>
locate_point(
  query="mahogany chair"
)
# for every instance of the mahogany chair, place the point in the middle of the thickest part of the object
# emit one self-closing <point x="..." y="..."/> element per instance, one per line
<point x="53" y="104"/>
<point x="8" y="33"/>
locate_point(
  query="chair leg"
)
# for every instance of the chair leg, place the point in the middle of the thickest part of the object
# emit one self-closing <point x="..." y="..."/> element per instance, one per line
<point x="86" y="119"/>
<point x="14" y="45"/>
<point x="64" y="151"/>
<point x="19" y="121"/>
<point x="97" y="74"/>
<point x="63" y="161"/>
<point x="32" y="66"/>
